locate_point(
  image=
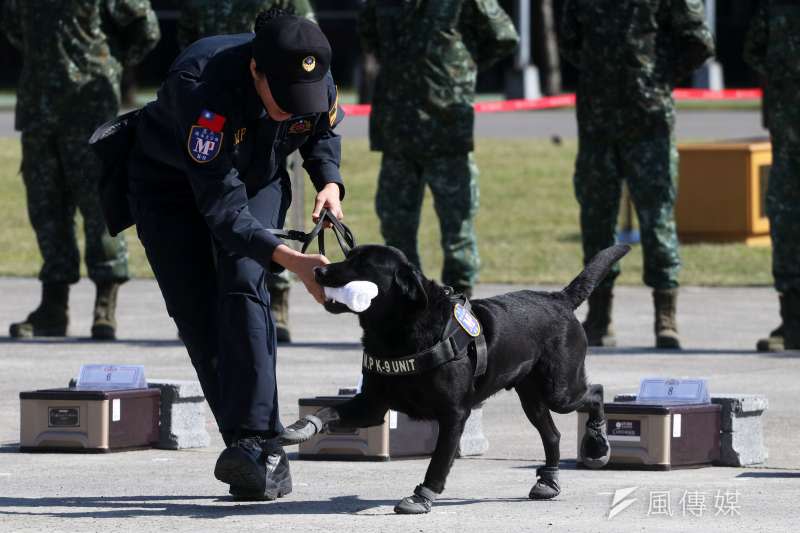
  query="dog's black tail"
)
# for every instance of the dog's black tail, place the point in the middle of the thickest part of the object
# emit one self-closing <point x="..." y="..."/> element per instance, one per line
<point x="583" y="285"/>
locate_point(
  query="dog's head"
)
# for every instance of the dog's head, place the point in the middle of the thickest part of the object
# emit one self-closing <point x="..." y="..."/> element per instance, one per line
<point x="401" y="286"/>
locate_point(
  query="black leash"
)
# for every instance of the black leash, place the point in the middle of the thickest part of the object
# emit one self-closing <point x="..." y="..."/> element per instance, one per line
<point x="344" y="236"/>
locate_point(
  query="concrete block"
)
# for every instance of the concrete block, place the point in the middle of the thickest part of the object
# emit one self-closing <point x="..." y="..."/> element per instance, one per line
<point x="473" y="441"/>
<point x="742" y="448"/>
<point x="738" y="407"/>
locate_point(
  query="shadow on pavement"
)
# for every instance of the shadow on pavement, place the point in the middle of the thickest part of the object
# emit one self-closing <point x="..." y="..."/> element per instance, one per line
<point x="323" y="345"/>
<point x="649" y="350"/>
<point x="99" y="507"/>
<point x="154" y="343"/>
<point x="795" y="475"/>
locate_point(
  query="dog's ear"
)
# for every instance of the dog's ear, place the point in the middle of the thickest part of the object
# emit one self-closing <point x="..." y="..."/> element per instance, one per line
<point x="411" y="283"/>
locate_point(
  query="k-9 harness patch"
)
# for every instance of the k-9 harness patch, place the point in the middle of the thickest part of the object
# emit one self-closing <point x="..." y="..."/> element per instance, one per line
<point x="467" y="320"/>
<point x="205" y="137"/>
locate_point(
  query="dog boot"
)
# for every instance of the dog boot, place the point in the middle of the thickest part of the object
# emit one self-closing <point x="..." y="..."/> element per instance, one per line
<point x="547" y="486"/>
<point x="598" y="326"/>
<point x="790" y="312"/>
<point x="104" y="326"/>
<point x="279" y="304"/>
<point x="666" y="327"/>
<point x="595" y="448"/>
<point x="50" y="319"/>
<point x="301" y="431"/>
<point x="418" y="503"/>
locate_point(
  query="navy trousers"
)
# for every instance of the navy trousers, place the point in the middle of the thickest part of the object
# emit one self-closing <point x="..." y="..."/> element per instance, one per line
<point x="220" y="304"/>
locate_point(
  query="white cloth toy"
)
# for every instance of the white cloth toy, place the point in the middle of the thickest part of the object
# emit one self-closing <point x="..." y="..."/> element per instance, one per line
<point x="356" y="295"/>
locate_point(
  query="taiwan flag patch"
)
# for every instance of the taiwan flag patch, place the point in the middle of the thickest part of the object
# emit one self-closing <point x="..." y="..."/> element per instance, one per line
<point x="211" y="120"/>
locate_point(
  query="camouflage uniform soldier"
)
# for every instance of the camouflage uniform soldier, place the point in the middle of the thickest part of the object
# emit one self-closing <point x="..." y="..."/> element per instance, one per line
<point x="771" y="48"/>
<point x="422" y="117"/>
<point x="72" y="54"/>
<point x="630" y="54"/>
<point x="203" y="18"/>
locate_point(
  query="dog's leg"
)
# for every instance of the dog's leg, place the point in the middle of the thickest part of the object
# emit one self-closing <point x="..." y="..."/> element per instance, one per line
<point x="546" y="486"/>
<point x="356" y="412"/>
<point x="595" y="448"/>
<point x="450" y="430"/>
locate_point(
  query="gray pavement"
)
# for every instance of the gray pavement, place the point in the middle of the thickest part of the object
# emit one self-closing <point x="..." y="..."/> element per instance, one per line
<point x="175" y="490"/>
<point x="691" y="124"/>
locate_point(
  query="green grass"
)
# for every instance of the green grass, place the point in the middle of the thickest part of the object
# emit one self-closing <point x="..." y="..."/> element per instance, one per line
<point x="527" y="224"/>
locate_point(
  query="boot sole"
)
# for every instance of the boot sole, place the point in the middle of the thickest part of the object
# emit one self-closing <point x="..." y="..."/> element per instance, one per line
<point x="235" y="468"/>
<point x="104" y="333"/>
<point x="266" y="495"/>
<point x="53" y="332"/>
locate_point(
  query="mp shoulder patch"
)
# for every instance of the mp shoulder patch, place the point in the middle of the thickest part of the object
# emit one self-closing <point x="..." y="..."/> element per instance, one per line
<point x="204" y="144"/>
<point x="467" y="320"/>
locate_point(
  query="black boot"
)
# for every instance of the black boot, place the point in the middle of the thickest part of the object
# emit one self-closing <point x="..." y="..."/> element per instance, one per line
<point x="104" y="326"/>
<point x="790" y="312"/>
<point x="50" y="319"/>
<point x="598" y="325"/>
<point x="666" y="327"/>
<point x="546" y="486"/>
<point x="254" y="469"/>
<point x="279" y="305"/>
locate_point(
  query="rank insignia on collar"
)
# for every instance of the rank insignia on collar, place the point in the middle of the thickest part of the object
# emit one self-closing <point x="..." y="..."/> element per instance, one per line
<point x="309" y="63"/>
<point x="203" y="144"/>
<point x="467" y="320"/>
<point x="299" y="127"/>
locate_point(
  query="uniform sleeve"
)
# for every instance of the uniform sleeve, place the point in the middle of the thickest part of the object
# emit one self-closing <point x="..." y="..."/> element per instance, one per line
<point x="367" y="27"/>
<point x="322" y="153"/>
<point x="755" y="44"/>
<point x="691" y="35"/>
<point x="219" y="193"/>
<point x="188" y="30"/>
<point x="570" y="41"/>
<point x="493" y="34"/>
<point x="137" y="25"/>
<point x="439" y="16"/>
<point x="302" y="8"/>
<point x="10" y="23"/>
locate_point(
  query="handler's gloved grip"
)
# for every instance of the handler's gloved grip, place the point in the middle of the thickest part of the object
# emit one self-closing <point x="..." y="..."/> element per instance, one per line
<point x="301" y="431"/>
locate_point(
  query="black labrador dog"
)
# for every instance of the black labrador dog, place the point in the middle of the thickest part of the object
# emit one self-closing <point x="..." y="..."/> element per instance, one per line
<point x="526" y="340"/>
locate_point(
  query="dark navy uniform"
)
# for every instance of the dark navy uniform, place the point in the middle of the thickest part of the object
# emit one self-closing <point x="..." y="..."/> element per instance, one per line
<point x="207" y="176"/>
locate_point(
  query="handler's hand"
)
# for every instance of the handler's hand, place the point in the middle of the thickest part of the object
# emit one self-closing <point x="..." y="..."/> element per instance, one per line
<point x="303" y="267"/>
<point x="328" y="198"/>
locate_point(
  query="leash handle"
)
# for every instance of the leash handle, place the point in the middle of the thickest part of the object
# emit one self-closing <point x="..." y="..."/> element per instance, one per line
<point x="344" y="236"/>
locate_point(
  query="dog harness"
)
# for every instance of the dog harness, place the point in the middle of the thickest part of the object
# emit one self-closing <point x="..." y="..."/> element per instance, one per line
<point x="462" y="336"/>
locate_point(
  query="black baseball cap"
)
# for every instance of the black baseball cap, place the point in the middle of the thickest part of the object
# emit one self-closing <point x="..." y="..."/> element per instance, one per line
<point x="295" y="56"/>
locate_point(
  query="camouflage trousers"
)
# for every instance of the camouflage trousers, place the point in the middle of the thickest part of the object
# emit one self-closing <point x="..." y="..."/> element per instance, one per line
<point x="783" y="189"/>
<point x="649" y="167"/>
<point x="453" y="181"/>
<point x="60" y="173"/>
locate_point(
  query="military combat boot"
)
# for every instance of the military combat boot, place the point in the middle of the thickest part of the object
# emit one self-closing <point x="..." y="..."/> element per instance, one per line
<point x="598" y="326"/>
<point x="50" y="319"/>
<point x="790" y="312"/>
<point x="104" y="326"/>
<point x="279" y="304"/>
<point x="773" y="343"/>
<point x="666" y="326"/>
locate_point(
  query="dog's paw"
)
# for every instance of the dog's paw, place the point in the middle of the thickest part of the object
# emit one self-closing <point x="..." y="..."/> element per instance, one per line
<point x="595" y="448"/>
<point x="418" y="503"/>
<point x="547" y="486"/>
<point x="300" y="431"/>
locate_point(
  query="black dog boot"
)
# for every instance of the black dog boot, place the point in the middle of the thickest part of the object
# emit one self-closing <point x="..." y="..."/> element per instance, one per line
<point x="300" y="431"/>
<point x="278" y="481"/>
<point x="418" y="503"/>
<point x="547" y="486"/>
<point x="666" y="327"/>
<point x="50" y="319"/>
<point x="773" y="342"/>
<point x="598" y="326"/>
<point x="243" y="465"/>
<point x="595" y="448"/>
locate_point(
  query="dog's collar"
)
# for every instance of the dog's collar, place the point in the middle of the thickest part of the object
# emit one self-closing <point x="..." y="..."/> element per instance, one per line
<point x="462" y="333"/>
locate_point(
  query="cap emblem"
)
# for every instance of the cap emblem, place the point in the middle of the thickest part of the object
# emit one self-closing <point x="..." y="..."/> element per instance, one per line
<point x="309" y="63"/>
